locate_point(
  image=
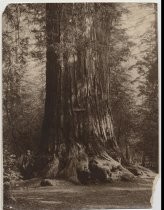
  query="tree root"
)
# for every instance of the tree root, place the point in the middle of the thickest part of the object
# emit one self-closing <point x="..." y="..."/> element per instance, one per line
<point x="78" y="168"/>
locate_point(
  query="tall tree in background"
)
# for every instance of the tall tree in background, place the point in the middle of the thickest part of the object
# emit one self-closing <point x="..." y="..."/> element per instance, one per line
<point x="14" y="58"/>
<point x="22" y="63"/>
<point x="148" y="93"/>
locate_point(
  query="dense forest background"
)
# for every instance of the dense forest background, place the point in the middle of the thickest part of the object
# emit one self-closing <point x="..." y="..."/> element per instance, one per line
<point x="107" y="60"/>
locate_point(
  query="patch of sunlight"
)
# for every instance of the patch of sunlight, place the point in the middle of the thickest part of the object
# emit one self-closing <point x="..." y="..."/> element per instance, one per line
<point x="139" y="188"/>
<point x="51" y="202"/>
<point x="34" y="198"/>
<point x="97" y="207"/>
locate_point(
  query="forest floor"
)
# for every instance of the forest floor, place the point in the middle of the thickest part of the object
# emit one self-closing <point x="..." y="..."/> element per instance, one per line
<point x="64" y="195"/>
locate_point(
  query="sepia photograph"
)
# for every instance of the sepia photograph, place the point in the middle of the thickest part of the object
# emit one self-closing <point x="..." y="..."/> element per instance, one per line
<point x="80" y="105"/>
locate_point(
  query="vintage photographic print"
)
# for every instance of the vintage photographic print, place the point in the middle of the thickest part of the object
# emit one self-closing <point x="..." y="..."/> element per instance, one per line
<point x="80" y="105"/>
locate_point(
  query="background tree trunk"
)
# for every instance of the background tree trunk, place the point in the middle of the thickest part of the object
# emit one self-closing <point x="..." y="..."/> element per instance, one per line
<point x="51" y="122"/>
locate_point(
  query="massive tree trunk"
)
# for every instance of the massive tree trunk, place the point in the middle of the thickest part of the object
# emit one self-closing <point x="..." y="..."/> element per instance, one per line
<point x="78" y="125"/>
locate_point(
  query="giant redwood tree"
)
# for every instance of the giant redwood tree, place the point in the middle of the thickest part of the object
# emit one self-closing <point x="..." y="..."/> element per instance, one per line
<point x="78" y="126"/>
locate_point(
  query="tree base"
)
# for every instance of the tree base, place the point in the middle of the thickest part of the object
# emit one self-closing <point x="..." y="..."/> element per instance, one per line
<point x="78" y="168"/>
